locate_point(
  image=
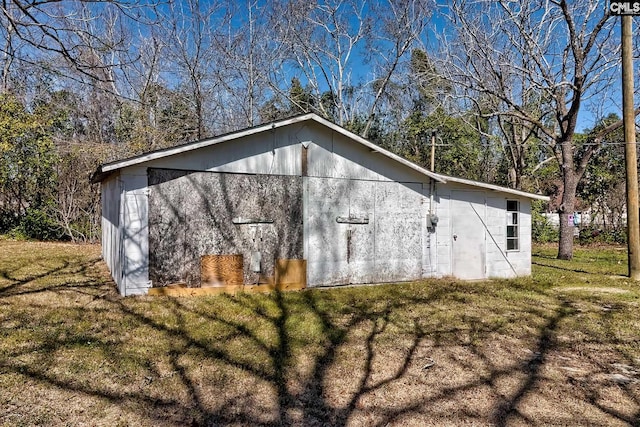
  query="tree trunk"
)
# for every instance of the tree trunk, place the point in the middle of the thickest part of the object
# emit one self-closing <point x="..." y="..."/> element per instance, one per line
<point x="512" y="175"/>
<point x="567" y="208"/>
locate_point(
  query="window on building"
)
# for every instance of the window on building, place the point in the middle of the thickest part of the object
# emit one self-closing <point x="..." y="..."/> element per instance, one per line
<point x="513" y="221"/>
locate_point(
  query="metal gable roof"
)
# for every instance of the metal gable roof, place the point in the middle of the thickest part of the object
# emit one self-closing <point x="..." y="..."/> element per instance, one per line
<point x="106" y="169"/>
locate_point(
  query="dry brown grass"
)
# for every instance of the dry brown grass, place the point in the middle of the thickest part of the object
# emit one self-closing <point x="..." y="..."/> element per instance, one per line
<point x="547" y="350"/>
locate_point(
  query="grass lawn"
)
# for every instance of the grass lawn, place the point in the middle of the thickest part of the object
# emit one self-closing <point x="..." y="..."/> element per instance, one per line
<point x="561" y="347"/>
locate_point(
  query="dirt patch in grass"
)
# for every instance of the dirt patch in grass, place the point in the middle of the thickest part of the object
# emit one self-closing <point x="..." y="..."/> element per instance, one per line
<point x="531" y="351"/>
<point x="606" y="290"/>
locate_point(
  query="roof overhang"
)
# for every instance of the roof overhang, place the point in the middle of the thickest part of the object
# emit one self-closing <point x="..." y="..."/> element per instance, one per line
<point x="105" y="170"/>
<point x="494" y="187"/>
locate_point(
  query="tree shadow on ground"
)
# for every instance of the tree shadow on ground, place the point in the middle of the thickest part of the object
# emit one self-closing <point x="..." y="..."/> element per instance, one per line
<point x="566" y="268"/>
<point x="330" y="357"/>
<point x="16" y="284"/>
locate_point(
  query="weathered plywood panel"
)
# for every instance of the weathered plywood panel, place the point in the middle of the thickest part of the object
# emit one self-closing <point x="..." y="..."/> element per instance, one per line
<point x="360" y="240"/>
<point x="221" y="270"/>
<point x="399" y="217"/>
<point x="341" y="252"/>
<point x="192" y="214"/>
<point x="378" y="237"/>
<point x="291" y="272"/>
<point x="326" y="249"/>
<point x="181" y="290"/>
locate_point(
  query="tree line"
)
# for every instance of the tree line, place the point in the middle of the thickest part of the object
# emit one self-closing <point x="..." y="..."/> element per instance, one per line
<point x="505" y="85"/>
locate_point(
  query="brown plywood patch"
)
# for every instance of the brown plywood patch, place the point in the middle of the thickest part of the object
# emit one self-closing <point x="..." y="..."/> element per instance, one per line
<point x="291" y="272"/>
<point x="221" y="270"/>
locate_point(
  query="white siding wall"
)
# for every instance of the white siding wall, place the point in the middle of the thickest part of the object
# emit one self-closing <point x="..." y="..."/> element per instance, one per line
<point x="500" y="262"/>
<point x="135" y="232"/>
<point x="443" y="230"/>
<point x="332" y="155"/>
<point x="277" y="152"/>
<point x="111" y="242"/>
<point x="524" y="257"/>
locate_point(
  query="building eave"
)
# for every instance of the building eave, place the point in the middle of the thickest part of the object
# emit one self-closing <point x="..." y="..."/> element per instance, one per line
<point x="103" y="171"/>
<point x="494" y="187"/>
<point x="107" y="169"/>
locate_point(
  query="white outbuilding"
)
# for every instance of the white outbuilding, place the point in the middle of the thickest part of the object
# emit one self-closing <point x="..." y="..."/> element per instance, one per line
<point x="304" y="188"/>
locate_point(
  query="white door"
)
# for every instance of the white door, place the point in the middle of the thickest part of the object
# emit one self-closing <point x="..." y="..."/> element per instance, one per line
<point x="340" y="231"/>
<point x="468" y="245"/>
<point x="363" y="231"/>
<point x="325" y="251"/>
<point x="398" y="231"/>
<point x="135" y="262"/>
<point x="360" y="241"/>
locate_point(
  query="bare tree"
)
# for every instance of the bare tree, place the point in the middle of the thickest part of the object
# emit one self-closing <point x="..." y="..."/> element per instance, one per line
<point x="323" y="39"/>
<point x="558" y="51"/>
<point x="190" y="26"/>
<point x="401" y="25"/>
<point x="8" y="48"/>
<point x="517" y="138"/>
<point x="64" y="29"/>
<point x="349" y="52"/>
<point x="250" y="61"/>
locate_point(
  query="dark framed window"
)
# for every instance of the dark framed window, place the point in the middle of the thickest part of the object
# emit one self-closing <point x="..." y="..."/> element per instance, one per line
<point x="513" y="225"/>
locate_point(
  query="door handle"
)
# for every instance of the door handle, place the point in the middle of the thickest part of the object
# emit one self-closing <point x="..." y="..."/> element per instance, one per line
<point x="455" y="237"/>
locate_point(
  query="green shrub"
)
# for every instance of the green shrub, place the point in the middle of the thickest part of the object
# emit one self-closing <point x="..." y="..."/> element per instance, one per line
<point x="8" y="221"/>
<point x="38" y="225"/>
<point x="542" y="231"/>
<point x="593" y="234"/>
